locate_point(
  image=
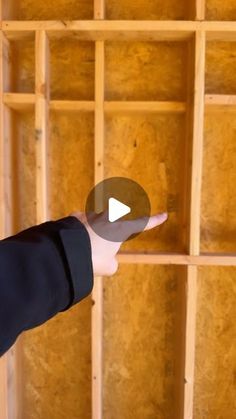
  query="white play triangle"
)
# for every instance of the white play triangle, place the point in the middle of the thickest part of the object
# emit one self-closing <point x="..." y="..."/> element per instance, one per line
<point x="117" y="209"/>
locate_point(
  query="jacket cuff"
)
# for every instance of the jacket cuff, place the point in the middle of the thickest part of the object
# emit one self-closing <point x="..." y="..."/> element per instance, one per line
<point x="77" y="248"/>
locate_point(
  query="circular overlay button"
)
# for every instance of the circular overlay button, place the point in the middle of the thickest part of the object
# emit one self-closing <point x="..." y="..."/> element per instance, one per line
<point x="125" y="207"/>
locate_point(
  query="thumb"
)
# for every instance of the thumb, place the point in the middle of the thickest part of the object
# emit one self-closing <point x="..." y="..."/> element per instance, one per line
<point x="136" y="226"/>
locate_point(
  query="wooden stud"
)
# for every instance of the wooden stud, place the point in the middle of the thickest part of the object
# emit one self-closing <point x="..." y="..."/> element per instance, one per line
<point x="97" y="294"/>
<point x="181" y="396"/>
<point x="190" y="333"/>
<point x="3" y="81"/>
<point x="9" y="370"/>
<point x="186" y="167"/>
<point x="200" y="9"/>
<point x="6" y="210"/>
<point x="97" y="332"/>
<point x="3" y="359"/>
<point x="41" y="124"/>
<point x="185" y="290"/>
<point x="6" y="9"/>
<point x="194" y="238"/>
<point x="3" y="387"/>
<point x="99" y="9"/>
<point x="183" y="275"/>
<point x="14" y="383"/>
<point x="99" y="112"/>
<point x="197" y="153"/>
<point x="2" y="206"/>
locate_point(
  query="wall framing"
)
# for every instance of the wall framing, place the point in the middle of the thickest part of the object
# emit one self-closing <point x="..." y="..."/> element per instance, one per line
<point x="196" y="31"/>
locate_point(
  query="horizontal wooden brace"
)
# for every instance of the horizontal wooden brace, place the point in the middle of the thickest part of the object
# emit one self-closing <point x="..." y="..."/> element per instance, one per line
<point x="72" y="105"/>
<point x="26" y="101"/>
<point x="19" y="101"/>
<point x="136" y="106"/>
<point x="217" y="259"/>
<point x="220" y="103"/>
<point x="94" y="30"/>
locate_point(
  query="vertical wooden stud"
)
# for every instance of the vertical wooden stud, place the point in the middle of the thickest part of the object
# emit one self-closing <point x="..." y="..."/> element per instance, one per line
<point x="194" y="238"/>
<point x="97" y="295"/>
<point x="200" y="9"/>
<point x="2" y="206"/>
<point x="41" y="124"/>
<point x="185" y="342"/>
<point x="99" y="9"/>
<point x="14" y="375"/>
<point x="183" y="276"/>
<point x="189" y="349"/>
<point x="3" y="387"/>
<point x="9" y="372"/>
<point x="180" y="325"/>
<point x="5" y="188"/>
<point x="197" y="152"/>
<point x="3" y="359"/>
<point x="10" y="364"/>
<point x="186" y="167"/>
<point x="7" y="9"/>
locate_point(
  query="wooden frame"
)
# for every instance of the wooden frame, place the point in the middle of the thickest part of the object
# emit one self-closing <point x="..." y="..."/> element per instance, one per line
<point x="97" y="295"/>
<point x="100" y="31"/>
<point x="41" y="124"/>
<point x="3" y="360"/>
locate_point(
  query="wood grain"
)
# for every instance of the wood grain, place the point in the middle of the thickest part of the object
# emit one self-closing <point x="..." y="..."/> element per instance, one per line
<point x="214" y="392"/>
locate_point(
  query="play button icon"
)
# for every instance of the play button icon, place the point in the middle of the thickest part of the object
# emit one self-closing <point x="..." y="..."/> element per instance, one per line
<point x="119" y="199"/>
<point x="117" y="209"/>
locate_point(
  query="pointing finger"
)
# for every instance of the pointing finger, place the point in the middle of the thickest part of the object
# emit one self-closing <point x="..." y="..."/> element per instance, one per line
<point x="156" y="220"/>
<point x="136" y="226"/>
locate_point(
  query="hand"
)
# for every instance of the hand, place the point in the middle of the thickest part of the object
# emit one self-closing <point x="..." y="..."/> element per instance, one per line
<point x="104" y="251"/>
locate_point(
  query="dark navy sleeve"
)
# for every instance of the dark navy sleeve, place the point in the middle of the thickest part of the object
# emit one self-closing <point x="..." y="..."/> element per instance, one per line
<point x="44" y="270"/>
